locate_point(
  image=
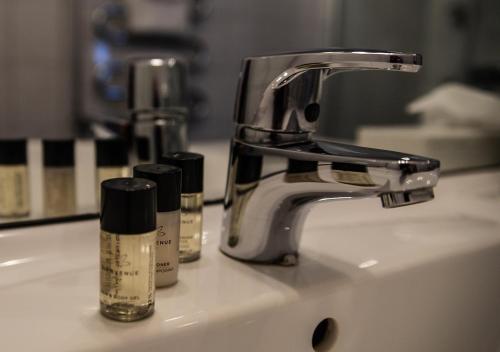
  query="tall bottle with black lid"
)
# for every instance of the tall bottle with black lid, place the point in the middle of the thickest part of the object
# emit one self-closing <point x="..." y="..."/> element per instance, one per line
<point x="14" y="191"/>
<point x="191" y="203"/>
<point x="59" y="177"/>
<point x="112" y="161"/>
<point x="168" y="181"/>
<point x="127" y="248"/>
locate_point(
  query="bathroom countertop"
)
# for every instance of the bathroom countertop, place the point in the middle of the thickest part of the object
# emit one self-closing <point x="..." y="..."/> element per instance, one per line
<point x="49" y="277"/>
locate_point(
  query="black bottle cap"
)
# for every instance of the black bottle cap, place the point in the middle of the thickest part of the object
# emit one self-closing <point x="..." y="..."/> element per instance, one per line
<point x="13" y="152"/>
<point x="59" y="152"/>
<point x="167" y="179"/>
<point x="111" y="152"/>
<point x="192" y="169"/>
<point x="128" y="205"/>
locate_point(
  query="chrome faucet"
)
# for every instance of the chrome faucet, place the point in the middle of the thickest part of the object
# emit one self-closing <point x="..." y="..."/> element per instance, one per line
<point x="278" y="170"/>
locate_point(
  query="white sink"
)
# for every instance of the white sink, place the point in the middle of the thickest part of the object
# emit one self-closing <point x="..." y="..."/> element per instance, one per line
<point x="418" y="278"/>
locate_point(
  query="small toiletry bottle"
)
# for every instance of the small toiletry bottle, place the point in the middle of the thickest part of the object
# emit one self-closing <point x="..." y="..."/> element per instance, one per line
<point x="14" y="189"/>
<point x="191" y="203"/>
<point x="111" y="156"/>
<point x="59" y="177"/>
<point x="168" y="183"/>
<point x="127" y="247"/>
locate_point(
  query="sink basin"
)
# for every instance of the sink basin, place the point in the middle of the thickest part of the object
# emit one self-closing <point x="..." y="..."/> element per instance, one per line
<point x="420" y="278"/>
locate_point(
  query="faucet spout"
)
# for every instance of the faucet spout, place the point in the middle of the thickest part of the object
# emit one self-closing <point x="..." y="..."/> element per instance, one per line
<point x="271" y="189"/>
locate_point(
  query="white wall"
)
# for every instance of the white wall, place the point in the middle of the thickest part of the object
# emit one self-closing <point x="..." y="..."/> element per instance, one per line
<point x="35" y="68"/>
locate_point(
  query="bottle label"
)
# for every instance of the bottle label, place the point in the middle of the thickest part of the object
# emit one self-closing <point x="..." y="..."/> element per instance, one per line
<point x="167" y="247"/>
<point x="127" y="268"/>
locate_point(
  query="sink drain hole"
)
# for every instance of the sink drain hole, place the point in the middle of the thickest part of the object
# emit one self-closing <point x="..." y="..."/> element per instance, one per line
<point x="325" y="335"/>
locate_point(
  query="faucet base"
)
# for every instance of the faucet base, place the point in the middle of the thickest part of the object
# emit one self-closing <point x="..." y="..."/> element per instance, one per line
<point x="291" y="259"/>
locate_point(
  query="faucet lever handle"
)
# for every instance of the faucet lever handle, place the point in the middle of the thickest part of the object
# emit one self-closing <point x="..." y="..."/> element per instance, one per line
<point x="280" y="93"/>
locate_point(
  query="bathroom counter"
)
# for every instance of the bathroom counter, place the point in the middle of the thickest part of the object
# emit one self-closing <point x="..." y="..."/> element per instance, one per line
<point x="368" y="268"/>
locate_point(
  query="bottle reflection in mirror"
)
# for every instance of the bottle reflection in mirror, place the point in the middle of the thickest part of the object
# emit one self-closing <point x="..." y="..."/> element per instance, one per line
<point x="191" y="165"/>
<point x="14" y="189"/>
<point x="112" y="161"/>
<point x="59" y="177"/>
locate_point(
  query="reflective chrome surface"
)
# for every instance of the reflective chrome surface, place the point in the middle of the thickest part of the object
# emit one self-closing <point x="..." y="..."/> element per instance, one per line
<point x="278" y="171"/>
<point x="282" y="92"/>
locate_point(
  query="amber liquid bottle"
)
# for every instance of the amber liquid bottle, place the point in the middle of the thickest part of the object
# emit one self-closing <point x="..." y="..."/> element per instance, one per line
<point x="59" y="193"/>
<point x="14" y="189"/>
<point x="112" y="161"/>
<point x="168" y="181"/>
<point x="191" y="203"/>
<point x="127" y="248"/>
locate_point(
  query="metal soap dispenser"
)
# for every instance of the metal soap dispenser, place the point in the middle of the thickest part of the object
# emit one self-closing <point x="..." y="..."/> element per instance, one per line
<point x="157" y="101"/>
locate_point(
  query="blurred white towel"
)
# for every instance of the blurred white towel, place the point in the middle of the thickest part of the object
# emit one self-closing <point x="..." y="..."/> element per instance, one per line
<point x="455" y="104"/>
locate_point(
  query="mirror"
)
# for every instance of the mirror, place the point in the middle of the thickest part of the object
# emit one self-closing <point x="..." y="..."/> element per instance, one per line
<point x="66" y="73"/>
